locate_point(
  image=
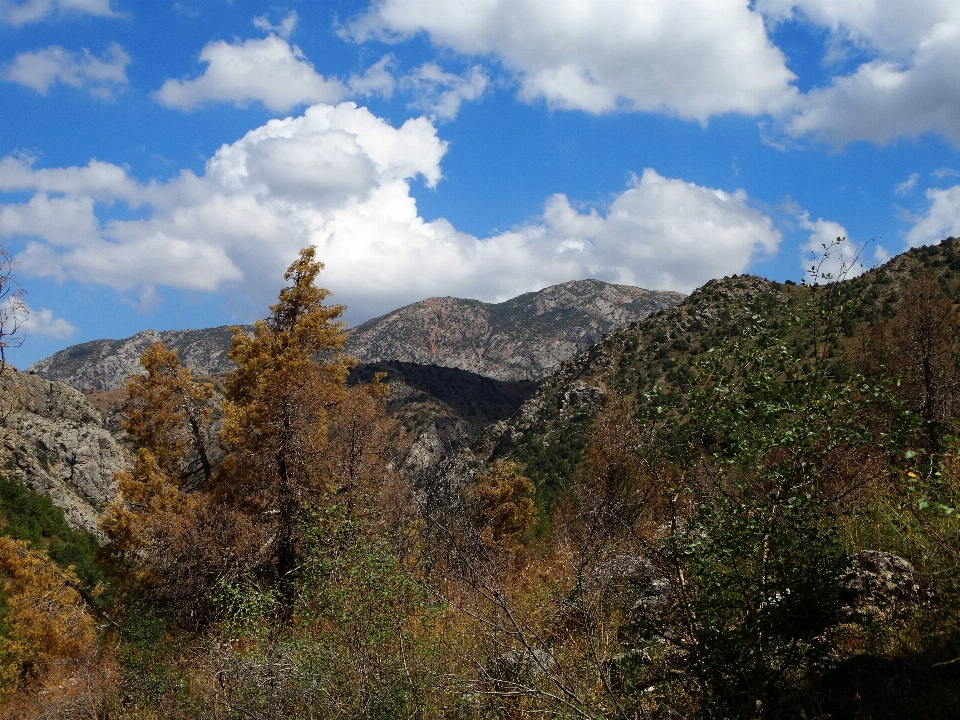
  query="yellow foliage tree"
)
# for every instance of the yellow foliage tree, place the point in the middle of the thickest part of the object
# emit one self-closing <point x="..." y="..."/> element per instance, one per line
<point x="47" y="616"/>
<point x="290" y="377"/>
<point x="503" y="508"/>
<point x="138" y="522"/>
<point x="168" y="413"/>
<point x="172" y="547"/>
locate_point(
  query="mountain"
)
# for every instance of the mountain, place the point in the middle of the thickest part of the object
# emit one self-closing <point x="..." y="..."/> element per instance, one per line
<point x="519" y="339"/>
<point x="106" y="364"/>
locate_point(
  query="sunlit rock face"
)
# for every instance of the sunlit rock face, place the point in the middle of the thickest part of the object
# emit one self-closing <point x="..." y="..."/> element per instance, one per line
<point x="54" y="442"/>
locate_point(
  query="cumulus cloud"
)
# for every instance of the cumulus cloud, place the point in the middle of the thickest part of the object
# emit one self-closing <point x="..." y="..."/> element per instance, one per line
<point x="28" y="11"/>
<point x="941" y="220"/>
<point x="43" y="322"/>
<point x="908" y="87"/>
<point x="102" y="77"/>
<point x="97" y="180"/>
<point x="378" y="79"/>
<point x="440" y="94"/>
<point x="268" y="70"/>
<point x="683" y="57"/>
<point x="339" y="177"/>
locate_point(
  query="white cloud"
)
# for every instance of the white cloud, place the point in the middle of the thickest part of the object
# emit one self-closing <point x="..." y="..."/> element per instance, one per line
<point x="683" y="57"/>
<point x="284" y="29"/>
<point x="892" y="27"/>
<point x="63" y="221"/>
<point x="339" y="178"/>
<point x="909" y="85"/>
<point x="97" y="180"/>
<point x="880" y="255"/>
<point x="942" y="219"/>
<point x="42" y="322"/>
<point x="440" y="94"/>
<point x="907" y="185"/>
<point x="21" y="13"/>
<point x="101" y="77"/>
<point x="377" y="79"/>
<point x="268" y="70"/>
<point x="829" y="254"/>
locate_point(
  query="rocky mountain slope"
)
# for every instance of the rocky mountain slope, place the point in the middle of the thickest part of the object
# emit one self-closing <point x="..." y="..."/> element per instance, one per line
<point x="106" y="364"/>
<point x="519" y="339"/>
<point x="443" y="409"/>
<point x="54" y="442"/>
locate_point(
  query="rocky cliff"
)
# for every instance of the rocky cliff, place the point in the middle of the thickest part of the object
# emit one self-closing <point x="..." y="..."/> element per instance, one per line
<point x="54" y="442"/>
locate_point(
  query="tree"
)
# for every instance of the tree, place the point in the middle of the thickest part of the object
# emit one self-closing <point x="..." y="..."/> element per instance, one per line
<point x="277" y="411"/>
<point x="13" y="308"/>
<point x="47" y="616"/>
<point x="925" y="348"/>
<point x="174" y="549"/>
<point x="502" y="507"/>
<point x="168" y="413"/>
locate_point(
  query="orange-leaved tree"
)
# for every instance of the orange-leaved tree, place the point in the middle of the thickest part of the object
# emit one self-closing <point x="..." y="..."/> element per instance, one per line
<point x="47" y="618"/>
<point x="174" y="548"/>
<point x="168" y="413"/>
<point x="291" y="374"/>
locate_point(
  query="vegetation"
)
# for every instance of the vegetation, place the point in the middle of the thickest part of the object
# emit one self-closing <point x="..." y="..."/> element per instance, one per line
<point x="757" y="517"/>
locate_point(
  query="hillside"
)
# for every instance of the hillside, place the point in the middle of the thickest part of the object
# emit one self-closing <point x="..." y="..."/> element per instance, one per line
<point x="106" y="364"/>
<point x="743" y="505"/>
<point x="547" y="433"/>
<point x="519" y="339"/>
<point x="54" y="442"/>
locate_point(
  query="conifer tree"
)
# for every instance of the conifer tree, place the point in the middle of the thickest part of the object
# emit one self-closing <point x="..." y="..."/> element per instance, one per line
<point x="168" y="413"/>
<point x="289" y="376"/>
<point x="47" y="616"/>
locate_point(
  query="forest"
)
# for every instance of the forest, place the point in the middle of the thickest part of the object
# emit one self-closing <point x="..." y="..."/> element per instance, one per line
<point x="759" y="519"/>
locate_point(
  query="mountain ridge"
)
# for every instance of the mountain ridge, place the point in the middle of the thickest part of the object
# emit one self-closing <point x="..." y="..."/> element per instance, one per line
<point x="519" y="339"/>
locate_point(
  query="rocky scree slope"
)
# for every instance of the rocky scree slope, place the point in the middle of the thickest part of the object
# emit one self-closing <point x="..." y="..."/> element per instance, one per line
<point x="54" y="442"/>
<point x="519" y="339"/>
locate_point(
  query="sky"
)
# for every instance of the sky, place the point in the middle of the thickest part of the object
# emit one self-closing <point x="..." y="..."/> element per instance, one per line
<point x="161" y="163"/>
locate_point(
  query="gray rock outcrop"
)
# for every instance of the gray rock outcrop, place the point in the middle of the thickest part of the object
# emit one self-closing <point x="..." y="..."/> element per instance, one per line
<point x="881" y="584"/>
<point x="54" y="442"/>
<point x="106" y="364"/>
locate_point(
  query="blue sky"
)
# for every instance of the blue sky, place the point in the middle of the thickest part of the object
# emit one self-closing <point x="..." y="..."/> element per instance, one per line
<point x="161" y="163"/>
